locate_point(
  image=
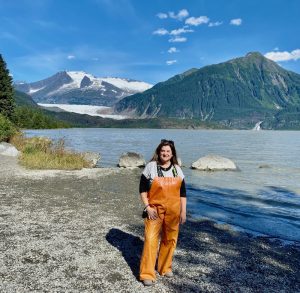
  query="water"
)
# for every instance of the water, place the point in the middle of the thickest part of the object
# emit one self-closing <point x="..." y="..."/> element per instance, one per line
<point x="264" y="200"/>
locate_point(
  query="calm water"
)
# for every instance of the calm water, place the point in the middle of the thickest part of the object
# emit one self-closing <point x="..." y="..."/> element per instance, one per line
<point x="264" y="200"/>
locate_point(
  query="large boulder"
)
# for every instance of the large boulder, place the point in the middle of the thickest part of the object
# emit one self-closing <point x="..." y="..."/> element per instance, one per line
<point x="131" y="160"/>
<point x="213" y="163"/>
<point x="93" y="158"/>
<point x="7" y="149"/>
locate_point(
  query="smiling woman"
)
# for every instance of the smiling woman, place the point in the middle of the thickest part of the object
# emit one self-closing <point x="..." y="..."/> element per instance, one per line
<point x="163" y="193"/>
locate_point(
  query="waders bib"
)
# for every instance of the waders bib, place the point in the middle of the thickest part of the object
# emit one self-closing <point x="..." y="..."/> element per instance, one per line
<point x="164" y="196"/>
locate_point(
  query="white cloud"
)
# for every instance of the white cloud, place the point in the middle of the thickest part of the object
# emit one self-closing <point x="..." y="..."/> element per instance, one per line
<point x="171" y="62"/>
<point x="71" y="57"/>
<point x="161" y="32"/>
<point x="217" y="23"/>
<point x="173" y="50"/>
<point x="182" y="14"/>
<point x="162" y="15"/>
<point x="284" y="56"/>
<point x="197" y="20"/>
<point x="236" y="21"/>
<point x="176" y="32"/>
<point x="180" y="31"/>
<point x="276" y="49"/>
<point x="177" y="40"/>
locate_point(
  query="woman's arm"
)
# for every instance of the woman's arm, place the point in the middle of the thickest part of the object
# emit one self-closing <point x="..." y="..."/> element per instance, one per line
<point x="144" y="198"/>
<point x="152" y="214"/>
<point x="182" y="210"/>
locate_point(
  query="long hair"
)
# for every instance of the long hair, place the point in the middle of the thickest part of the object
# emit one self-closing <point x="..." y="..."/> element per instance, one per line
<point x="163" y="143"/>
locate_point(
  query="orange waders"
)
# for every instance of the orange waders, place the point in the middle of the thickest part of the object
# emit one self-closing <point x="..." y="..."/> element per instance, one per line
<point x="164" y="195"/>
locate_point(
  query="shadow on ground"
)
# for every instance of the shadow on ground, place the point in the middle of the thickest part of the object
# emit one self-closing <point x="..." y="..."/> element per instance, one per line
<point x="213" y="258"/>
<point x="129" y="245"/>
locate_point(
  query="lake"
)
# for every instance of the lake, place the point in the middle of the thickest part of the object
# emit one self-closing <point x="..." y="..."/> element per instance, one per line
<point x="259" y="200"/>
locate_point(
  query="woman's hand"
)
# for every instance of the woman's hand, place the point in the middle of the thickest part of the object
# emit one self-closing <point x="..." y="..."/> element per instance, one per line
<point x="152" y="214"/>
<point x="182" y="210"/>
<point x="182" y="217"/>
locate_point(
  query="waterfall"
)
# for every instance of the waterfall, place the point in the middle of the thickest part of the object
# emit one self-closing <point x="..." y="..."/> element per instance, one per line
<point x="257" y="125"/>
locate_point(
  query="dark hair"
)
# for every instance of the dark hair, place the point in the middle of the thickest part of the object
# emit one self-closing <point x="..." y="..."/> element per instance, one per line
<point x="165" y="142"/>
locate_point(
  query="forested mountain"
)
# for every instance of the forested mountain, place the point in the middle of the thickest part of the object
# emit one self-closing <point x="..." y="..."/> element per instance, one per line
<point x="236" y="93"/>
<point x="22" y="99"/>
<point x="27" y="114"/>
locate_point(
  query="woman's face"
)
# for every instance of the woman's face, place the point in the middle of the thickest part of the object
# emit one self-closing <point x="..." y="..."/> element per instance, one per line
<point x="165" y="154"/>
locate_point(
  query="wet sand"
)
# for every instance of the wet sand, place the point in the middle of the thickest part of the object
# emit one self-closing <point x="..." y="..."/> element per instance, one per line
<point x="82" y="231"/>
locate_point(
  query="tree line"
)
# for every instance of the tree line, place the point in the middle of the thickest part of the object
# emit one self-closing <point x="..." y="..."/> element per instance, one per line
<point x="14" y="115"/>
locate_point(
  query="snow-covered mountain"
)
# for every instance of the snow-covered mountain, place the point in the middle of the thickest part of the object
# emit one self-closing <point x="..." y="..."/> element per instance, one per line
<point x="81" y="88"/>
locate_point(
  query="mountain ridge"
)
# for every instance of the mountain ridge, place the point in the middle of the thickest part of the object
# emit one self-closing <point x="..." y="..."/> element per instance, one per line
<point x="239" y="93"/>
<point x="79" y="87"/>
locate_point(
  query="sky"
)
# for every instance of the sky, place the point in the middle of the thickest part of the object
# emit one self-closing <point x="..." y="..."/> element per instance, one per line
<point x="143" y="40"/>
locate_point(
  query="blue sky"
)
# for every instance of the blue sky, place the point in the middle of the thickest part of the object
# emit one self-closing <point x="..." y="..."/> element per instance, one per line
<point x="141" y="39"/>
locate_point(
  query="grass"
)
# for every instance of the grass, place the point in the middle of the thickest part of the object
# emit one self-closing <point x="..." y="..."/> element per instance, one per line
<point x="42" y="153"/>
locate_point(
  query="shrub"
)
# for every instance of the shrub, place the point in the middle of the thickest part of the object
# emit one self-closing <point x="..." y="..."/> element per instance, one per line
<point x="42" y="153"/>
<point x="30" y="143"/>
<point x="7" y="129"/>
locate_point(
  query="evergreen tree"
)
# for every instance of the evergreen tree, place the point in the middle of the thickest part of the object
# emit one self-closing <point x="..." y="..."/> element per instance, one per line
<point x="6" y="91"/>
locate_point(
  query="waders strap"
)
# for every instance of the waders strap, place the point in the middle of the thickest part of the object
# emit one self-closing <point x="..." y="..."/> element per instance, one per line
<point x="160" y="173"/>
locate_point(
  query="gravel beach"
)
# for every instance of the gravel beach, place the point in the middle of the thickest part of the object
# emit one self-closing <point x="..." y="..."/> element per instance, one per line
<point x="82" y="231"/>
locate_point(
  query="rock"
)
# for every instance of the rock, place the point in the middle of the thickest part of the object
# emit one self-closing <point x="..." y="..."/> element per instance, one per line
<point x="131" y="160"/>
<point x="7" y="149"/>
<point x="213" y="163"/>
<point x="92" y="157"/>
<point x="264" y="166"/>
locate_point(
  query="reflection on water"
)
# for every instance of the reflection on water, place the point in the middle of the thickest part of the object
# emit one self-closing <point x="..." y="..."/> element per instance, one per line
<point x="265" y="200"/>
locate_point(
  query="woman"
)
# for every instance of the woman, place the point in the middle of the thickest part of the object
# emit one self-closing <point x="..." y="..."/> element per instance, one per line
<point x="163" y="193"/>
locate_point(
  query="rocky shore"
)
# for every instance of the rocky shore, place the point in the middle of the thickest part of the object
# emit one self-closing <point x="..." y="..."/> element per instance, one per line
<point x="82" y="231"/>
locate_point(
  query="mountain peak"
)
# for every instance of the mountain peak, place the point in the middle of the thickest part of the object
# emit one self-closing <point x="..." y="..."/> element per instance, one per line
<point x="257" y="59"/>
<point x="254" y="55"/>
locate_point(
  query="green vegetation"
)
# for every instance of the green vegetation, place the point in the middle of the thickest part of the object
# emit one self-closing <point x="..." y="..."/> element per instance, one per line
<point x="35" y="118"/>
<point x="7" y="129"/>
<point x="24" y="100"/>
<point x="286" y="119"/>
<point x="42" y="153"/>
<point x="6" y="91"/>
<point x="7" y="105"/>
<point x="28" y="115"/>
